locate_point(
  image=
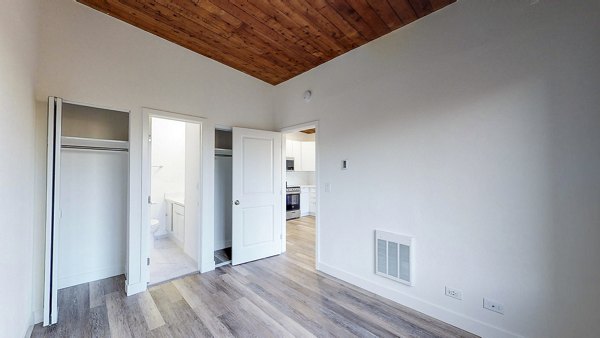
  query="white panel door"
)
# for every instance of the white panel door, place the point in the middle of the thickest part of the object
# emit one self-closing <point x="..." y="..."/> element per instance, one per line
<point x="256" y="191"/>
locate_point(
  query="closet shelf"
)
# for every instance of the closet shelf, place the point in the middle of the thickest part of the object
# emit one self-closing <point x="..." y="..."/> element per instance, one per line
<point x="93" y="142"/>
<point x="221" y="151"/>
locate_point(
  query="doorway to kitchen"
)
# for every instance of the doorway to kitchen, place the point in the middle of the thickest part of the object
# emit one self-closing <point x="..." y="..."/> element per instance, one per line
<point x="301" y="197"/>
<point x="174" y="197"/>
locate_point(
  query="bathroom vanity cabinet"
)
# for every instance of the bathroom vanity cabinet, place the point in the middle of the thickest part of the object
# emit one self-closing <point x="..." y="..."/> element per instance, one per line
<point x="176" y="218"/>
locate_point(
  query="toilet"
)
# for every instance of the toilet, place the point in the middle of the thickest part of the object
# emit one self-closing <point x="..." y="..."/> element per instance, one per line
<point x="154" y="225"/>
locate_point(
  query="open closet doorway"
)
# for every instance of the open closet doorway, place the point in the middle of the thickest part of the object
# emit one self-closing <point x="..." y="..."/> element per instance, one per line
<point x="87" y="192"/>
<point x="301" y="198"/>
<point x="223" y="188"/>
<point x="174" y="198"/>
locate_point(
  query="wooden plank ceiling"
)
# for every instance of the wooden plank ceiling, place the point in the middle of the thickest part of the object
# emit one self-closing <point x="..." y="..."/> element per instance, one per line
<point x="273" y="40"/>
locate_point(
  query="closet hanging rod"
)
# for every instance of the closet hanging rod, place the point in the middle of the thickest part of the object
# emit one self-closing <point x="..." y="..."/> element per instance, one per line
<point x="94" y="148"/>
<point x="222" y="155"/>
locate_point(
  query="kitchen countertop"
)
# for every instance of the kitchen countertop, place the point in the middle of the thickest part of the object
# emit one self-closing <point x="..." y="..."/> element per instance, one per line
<point x="176" y="198"/>
<point x="308" y="186"/>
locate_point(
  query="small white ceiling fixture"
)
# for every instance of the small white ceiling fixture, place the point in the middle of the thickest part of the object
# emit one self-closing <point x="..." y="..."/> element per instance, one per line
<point x="307" y="95"/>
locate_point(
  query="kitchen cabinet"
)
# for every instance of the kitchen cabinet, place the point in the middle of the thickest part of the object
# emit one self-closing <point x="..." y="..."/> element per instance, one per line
<point x="297" y="155"/>
<point x="312" y="201"/>
<point x="304" y="201"/>
<point x="308" y="156"/>
<point x="303" y="154"/>
<point x="289" y="149"/>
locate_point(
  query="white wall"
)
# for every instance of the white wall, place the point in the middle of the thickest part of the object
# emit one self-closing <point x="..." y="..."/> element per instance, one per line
<point x="168" y="164"/>
<point x="92" y="234"/>
<point x="18" y="39"/>
<point x="89" y="57"/>
<point x="475" y="130"/>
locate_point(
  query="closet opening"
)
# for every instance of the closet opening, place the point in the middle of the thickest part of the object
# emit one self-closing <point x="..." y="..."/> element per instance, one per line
<point x="175" y="156"/>
<point x="87" y="198"/>
<point x="223" y="193"/>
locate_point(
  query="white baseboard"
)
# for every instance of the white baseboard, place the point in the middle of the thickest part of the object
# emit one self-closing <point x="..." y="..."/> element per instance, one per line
<point x="446" y="315"/>
<point x="132" y="289"/>
<point x="29" y="331"/>
<point x="88" y="276"/>
<point x="222" y="245"/>
<point x="38" y="316"/>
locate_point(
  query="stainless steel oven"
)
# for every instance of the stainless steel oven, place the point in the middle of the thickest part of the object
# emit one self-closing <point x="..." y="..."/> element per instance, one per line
<point x="292" y="202"/>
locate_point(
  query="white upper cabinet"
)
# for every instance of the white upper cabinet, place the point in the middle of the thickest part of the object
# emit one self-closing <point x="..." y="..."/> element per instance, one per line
<point x="289" y="149"/>
<point x="303" y="154"/>
<point x="297" y="155"/>
<point x="308" y="156"/>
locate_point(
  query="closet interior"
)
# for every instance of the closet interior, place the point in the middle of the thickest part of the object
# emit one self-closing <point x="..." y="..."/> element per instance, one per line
<point x="92" y="179"/>
<point x="223" y="181"/>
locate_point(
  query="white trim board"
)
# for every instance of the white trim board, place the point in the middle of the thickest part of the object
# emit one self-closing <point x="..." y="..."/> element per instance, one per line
<point x="94" y="275"/>
<point x="438" y="312"/>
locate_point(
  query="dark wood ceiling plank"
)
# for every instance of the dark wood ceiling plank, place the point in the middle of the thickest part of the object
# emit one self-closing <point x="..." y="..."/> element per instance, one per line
<point x="337" y="20"/>
<point x="404" y="10"/>
<point x="366" y="12"/>
<point x="320" y="22"/>
<point x="185" y="26"/>
<point x="330" y="36"/>
<point x="270" y="45"/>
<point x="439" y="4"/>
<point x="274" y="32"/>
<point x="353" y="18"/>
<point x="198" y="15"/>
<point x="276" y="17"/>
<point x="148" y="23"/>
<point x="421" y="7"/>
<point x="386" y="13"/>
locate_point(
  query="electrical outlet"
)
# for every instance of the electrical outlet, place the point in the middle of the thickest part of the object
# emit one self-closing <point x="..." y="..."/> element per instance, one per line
<point x="454" y="293"/>
<point x="493" y="306"/>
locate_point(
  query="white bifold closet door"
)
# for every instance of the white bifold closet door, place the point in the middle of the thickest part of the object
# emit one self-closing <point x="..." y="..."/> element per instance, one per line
<point x="52" y="210"/>
<point x="256" y="221"/>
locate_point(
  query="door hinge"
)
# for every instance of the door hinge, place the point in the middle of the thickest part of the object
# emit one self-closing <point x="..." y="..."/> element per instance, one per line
<point x="149" y="137"/>
<point x="149" y="199"/>
<point x="148" y="261"/>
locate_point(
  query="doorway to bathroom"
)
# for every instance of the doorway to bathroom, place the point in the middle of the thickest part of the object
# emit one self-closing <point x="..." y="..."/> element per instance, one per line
<point x="175" y="174"/>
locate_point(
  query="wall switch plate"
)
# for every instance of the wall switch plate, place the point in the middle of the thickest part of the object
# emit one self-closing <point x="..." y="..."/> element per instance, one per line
<point x="327" y="187"/>
<point x="493" y="306"/>
<point x="454" y="293"/>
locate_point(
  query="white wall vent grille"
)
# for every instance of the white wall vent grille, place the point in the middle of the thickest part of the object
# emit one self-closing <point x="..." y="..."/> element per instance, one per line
<point x="394" y="256"/>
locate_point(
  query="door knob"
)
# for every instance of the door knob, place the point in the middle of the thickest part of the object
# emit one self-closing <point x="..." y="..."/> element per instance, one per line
<point x="237" y="202"/>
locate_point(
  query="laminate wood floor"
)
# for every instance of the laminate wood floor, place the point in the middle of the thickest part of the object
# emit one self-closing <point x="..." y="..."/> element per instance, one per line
<point x="281" y="296"/>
